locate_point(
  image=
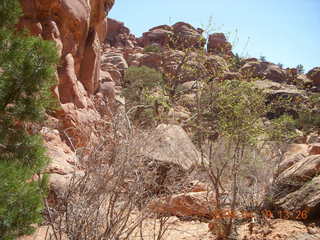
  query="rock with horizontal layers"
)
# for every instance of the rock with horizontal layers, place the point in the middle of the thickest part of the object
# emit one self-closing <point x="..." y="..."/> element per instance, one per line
<point x="297" y="188"/>
<point x="115" y="60"/>
<point x="151" y="60"/>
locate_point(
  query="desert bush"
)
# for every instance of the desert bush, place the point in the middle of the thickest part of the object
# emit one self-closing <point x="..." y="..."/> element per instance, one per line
<point x="145" y="98"/>
<point x="104" y="202"/>
<point x="232" y="133"/>
<point x="152" y="49"/>
<point x="308" y="114"/>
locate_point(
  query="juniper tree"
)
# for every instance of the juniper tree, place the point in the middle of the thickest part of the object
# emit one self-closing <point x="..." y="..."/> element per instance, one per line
<point x="26" y="76"/>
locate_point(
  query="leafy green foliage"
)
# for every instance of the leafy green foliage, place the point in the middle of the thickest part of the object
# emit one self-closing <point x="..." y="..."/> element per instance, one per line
<point x="27" y="66"/>
<point x="236" y="110"/>
<point x="152" y="48"/>
<point x="144" y="93"/>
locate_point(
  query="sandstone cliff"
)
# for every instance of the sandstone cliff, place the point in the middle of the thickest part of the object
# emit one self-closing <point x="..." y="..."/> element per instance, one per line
<point x="77" y="27"/>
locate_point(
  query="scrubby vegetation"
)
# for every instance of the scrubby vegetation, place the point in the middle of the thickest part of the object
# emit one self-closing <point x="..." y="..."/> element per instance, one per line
<point x="237" y="132"/>
<point x="144" y="93"/>
<point x="152" y="49"/>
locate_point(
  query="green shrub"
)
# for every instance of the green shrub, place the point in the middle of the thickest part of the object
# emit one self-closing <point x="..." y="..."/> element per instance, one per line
<point x="152" y="49"/>
<point x="27" y="67"/>
<point x="237" y="109"/>
<point x="144" y="94"/>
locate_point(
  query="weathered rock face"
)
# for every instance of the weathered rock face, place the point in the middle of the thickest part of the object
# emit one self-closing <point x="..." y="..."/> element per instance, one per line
<point x="63" y="164"/>
<point x="76" y="33"/>
<point x="77" y="27"/>
<point x="218" y="44"/>
<point x="118" y="35"/>
<point x="170" y="143"/>
<point x="187" y="36"/>
<point x="297" y="186"/>
<point x="256" y="68"/>
<point x="314" y="75"/>
<point x="158" y="35"/>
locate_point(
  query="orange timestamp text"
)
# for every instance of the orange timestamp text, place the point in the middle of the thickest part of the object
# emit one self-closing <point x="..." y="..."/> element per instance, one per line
<point x="283" y="214"/>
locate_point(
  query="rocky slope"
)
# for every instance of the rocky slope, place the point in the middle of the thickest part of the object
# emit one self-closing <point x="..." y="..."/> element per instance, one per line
<point x="94" y="54"/>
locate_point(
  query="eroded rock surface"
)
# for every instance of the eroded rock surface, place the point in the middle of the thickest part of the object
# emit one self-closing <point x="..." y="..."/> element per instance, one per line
<point x="297" y="185"/>
<point x="77" y="27"/>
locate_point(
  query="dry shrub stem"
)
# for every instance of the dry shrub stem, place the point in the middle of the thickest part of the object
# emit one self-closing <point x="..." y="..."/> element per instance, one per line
<point x="101" y="201"/>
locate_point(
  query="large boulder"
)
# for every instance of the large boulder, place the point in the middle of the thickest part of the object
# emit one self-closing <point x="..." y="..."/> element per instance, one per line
<point x="314" y="75"/>
<point x="218" y="44"/>
<point x="265" y="70"/>
<point x="186" y="36"/>
<point x="164" y="159"/>
<point x="180" y="35"/>
<point x="170" y="143"/>
<point x="297" y="188"/>
<point x="160" y="35"/>
<point x="119" y="35"/>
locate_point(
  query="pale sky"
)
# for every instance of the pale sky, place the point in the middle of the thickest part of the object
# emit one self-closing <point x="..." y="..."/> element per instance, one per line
<point x="284" y="31"/>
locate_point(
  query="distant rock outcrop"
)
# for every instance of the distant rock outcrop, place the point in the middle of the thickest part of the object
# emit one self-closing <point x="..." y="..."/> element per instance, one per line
<point x="264" y="70"/>
<point x="118" y="35"/>
<point x="218" y="44"/>
<point x="314" y="75"/>
<point x="180" y="35"/>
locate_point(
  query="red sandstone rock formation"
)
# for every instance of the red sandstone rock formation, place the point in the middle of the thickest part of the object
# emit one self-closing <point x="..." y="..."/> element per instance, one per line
<point x="178" y="36"/>
<point x="78" y="28"/>
<point x="314" y="75"/>
<point x="218" y="44"/>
